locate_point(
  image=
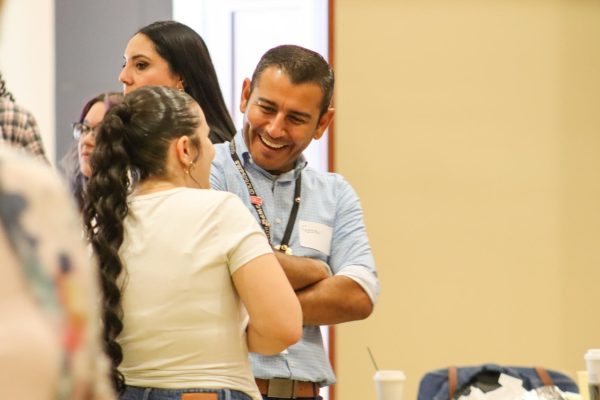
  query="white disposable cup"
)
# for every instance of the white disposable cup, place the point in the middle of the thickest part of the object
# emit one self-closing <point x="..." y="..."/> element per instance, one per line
<point x="592" y="362"/>
<point x="389" y="384"/>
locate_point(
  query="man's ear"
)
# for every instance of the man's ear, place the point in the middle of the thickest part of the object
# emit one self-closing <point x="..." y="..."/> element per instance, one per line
<point x="324" y="122"/>
<point x="246" y="91"/>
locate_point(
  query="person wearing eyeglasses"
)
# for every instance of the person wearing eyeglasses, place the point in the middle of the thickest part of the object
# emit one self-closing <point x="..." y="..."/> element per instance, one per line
<point x="76" y="163"/>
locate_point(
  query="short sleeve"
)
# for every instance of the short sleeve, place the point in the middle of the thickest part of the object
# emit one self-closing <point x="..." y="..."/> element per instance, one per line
<point x="241" y="234"/>
<point x="352" y="255"/>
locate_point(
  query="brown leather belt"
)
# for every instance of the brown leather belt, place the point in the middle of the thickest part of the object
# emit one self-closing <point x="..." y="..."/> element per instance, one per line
<point x="287" y="388"/>
<point x="199" y="396"/>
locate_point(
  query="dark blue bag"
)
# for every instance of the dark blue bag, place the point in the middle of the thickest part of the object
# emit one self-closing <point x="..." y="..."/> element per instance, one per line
<point x="450" y="383"/>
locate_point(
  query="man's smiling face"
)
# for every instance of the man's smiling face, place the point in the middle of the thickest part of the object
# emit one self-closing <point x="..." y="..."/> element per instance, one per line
<point x="281" y="119"/>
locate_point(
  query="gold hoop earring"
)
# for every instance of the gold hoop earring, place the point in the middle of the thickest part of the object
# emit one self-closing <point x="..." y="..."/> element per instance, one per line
<point x="189" y="169"/>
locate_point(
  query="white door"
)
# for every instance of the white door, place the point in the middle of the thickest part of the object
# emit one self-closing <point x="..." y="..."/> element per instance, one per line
<point x="238" y="32"/>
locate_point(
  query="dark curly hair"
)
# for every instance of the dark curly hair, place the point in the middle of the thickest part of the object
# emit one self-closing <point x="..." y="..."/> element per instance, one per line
<point x="187" y="56"/>
<point x="134" y="136"/>
<point x="70" y="162"/>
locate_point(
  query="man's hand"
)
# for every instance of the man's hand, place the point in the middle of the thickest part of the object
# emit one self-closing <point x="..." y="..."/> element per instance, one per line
<point x="325" y="299"/>
<point x="302" y="271"/>
<point x="334" y="300"/>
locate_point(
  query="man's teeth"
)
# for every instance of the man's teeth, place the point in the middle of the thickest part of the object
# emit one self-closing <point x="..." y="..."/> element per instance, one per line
<point x="271" y="144"/>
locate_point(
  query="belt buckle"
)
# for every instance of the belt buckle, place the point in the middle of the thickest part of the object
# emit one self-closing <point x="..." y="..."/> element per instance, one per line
<point x="282" y="388"/>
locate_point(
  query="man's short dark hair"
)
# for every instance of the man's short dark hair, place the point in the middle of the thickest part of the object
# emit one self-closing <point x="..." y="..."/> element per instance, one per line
<point x="302" y="66"/>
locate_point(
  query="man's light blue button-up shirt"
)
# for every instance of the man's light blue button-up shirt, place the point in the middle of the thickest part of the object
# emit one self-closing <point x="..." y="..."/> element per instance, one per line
<point x="329" y="206"/>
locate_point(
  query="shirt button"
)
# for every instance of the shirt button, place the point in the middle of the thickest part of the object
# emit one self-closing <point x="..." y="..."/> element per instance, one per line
<point x="277" y="220"/>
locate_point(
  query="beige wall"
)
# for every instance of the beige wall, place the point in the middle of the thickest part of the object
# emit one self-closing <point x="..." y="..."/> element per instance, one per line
<point x="27" y="60"/>
<point x="471" y="131"/>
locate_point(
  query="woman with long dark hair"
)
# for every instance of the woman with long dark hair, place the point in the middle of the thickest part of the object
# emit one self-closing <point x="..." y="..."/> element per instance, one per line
<point x="169" y="53"/>
<point x="180" y="264"/>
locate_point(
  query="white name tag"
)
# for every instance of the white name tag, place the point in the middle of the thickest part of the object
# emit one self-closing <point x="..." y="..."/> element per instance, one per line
<point x="315" y="236"/>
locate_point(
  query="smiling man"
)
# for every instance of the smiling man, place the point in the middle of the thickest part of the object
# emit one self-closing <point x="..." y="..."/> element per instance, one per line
<point x="313" y="219"/>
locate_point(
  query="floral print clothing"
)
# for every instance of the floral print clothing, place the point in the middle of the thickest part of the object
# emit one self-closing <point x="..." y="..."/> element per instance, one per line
<point x="48" y="290"/>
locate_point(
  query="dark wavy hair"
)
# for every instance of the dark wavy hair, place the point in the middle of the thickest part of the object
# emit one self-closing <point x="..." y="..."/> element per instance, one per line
<point x="302" y="66"/>
<point x="70" y="162"/>
<point x="134" y="136"/>
<point x="187" y="56"/>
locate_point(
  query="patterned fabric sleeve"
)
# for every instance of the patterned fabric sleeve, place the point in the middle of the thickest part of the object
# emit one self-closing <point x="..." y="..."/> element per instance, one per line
<point x="19" y="129"/>
<point x="44" y="232"/>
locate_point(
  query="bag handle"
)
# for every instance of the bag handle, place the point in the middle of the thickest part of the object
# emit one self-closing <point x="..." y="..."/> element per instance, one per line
<point x="452" y="380"/>
<point x="544" y="376"/>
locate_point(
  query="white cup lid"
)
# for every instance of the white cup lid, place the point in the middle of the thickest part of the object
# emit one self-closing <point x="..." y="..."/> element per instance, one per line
<point x="389" y="375"/>
<point x="592" y="354"/>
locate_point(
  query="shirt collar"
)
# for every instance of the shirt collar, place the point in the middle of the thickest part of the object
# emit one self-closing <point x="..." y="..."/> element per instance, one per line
<point x="242" y="149"/>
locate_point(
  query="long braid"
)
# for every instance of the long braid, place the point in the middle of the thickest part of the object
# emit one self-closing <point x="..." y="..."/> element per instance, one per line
<point x="134" y="137"/>
<point x="104" y="211"/>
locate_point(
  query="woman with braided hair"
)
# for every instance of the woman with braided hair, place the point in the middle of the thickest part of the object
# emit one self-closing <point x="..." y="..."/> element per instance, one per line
<point x="176" y="288"/>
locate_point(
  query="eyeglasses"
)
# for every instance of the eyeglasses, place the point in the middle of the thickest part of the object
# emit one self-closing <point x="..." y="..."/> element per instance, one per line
<point x="81" y="129"/>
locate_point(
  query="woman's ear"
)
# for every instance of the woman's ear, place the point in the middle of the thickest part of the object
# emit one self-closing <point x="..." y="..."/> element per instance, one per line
<point x="182" y="150"/>
<point x="180" y="84"/>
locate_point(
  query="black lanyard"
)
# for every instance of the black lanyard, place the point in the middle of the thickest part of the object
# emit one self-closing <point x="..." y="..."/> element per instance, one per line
<point x="257" y="204"/>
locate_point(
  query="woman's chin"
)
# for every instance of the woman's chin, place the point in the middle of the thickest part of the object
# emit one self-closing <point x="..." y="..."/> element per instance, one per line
<point x="86" y="171"/>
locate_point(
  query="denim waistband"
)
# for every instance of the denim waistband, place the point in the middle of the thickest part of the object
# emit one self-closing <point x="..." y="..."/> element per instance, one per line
<point x="141" y="393"/>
